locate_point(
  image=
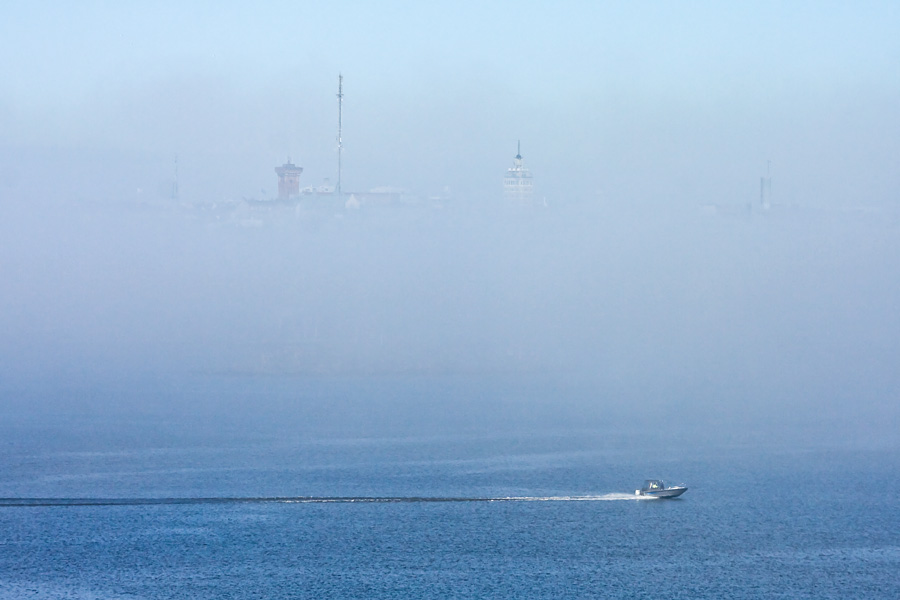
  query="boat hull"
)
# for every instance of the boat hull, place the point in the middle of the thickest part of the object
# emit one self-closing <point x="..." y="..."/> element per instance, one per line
<point x="672" y="492"/>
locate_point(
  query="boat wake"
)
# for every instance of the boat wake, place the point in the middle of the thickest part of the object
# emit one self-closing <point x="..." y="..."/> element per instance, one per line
<point x="604" y="497"/>
<point x="25" y="502"/>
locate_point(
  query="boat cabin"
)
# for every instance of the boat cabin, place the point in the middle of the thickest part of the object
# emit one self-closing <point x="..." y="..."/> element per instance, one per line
<point x="653" y="485"/>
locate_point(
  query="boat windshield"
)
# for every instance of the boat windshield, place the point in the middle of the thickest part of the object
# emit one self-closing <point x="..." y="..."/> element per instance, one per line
<point x="654" y="484"/>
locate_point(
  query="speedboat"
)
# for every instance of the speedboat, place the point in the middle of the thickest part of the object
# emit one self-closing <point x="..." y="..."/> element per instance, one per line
<point x="657" y="488"/>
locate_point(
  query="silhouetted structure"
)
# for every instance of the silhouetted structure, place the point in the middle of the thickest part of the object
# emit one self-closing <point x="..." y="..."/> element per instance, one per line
<point x="288" y="180"/>
<point x="518" y="184"/>
<point x="340" y="139"/>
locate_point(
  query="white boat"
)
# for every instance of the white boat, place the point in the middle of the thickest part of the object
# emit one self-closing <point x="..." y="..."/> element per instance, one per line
<point x="657" y="488"/>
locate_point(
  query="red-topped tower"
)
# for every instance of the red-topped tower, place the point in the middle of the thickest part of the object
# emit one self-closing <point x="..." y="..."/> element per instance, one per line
<point x="288" y="180"/>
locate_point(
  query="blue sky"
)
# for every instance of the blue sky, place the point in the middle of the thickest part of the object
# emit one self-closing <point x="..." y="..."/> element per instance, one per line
<point x="447" y="89"/>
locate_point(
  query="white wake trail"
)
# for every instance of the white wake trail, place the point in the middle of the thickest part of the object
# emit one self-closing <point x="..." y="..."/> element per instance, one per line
<point x="599" y="498"/>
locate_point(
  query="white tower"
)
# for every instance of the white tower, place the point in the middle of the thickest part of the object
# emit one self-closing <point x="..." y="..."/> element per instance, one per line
<point x="518" y="184"/>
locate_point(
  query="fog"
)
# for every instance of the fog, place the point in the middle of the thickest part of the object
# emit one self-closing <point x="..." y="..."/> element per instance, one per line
<point x="778" y="314"/>
<point x="646" y="277"/>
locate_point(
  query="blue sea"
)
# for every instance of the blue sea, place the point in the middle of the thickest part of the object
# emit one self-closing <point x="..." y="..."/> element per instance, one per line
<point x="500" y="487"/>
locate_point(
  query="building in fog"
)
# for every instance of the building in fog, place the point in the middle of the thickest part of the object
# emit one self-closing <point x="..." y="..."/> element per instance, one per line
<point x="518" y="183"/>
<point x="288" y="180"/>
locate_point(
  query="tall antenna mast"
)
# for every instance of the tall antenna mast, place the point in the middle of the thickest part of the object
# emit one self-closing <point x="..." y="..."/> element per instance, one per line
<point x="340" y="141"/>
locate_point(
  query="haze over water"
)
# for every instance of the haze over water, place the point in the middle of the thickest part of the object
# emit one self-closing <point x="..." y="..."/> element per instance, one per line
<point x="644" y="316"/>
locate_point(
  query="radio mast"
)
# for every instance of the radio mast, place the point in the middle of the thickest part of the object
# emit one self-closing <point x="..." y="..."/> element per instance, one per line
<point x="340" y="97"/>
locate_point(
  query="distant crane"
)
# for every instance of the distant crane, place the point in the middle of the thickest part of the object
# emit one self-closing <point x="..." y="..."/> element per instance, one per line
<point x="340" y="141"/>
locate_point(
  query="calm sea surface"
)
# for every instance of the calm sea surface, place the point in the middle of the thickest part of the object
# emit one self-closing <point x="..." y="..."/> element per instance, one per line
<point x="773" y="511"/>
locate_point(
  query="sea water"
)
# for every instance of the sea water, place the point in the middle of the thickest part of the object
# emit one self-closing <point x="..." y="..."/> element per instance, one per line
<point x="536" y="495"/>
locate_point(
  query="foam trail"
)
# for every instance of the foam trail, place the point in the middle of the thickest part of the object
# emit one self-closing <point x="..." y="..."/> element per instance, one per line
<point x="25" y="502"/>
<point x="604" y="497"/>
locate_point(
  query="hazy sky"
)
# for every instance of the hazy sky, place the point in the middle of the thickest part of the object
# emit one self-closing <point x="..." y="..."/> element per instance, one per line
<point x="685" y="100"/>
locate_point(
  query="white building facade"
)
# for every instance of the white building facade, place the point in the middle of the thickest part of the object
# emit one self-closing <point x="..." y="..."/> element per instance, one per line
<point x="518" y="184"/>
